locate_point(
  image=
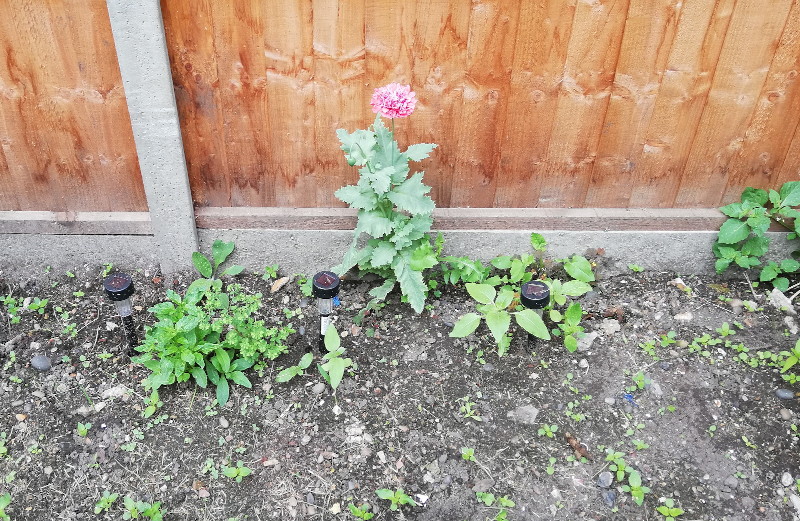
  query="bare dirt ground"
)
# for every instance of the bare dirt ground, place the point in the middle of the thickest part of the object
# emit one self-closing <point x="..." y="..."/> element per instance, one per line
<point x="705" y="421"/>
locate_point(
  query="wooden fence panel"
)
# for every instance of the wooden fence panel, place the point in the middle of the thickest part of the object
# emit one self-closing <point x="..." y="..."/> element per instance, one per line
<point x="66" y="142"/>
<point x="609" y="103"/>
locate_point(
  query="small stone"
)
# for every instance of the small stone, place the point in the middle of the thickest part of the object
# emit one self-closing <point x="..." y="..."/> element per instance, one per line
<point x="48" y="470"/>
<point x="748" y="503"/>
<point x="786" y="414"/>
<point x="610" y="326"/>
<point x="318" y="388"/>
<point x="610" y="400"/>
<point x="305" y="440"/>
<point x="731" y="482"/>
<point x="114" y="392"/>
<point x="609" y="498"/>
<point x="795" y="502"/>
<point x="310" y="498"/>
<point x="684" y="317"/>
<point x="488" y="367"/>
<point x="483" y="485"/>
<point x="605" y="479"/>
<point x="786" y="479"/>
<point x="791" y="325"/>
<point x="335" y="509"/>
<point x="38" y="394"/>
<point x="583" y="364"/>
<point x="655" y="390"/>
<point x="784" y="394"/>
<point x="223" y="422"/>
<point x="35" y="345"/>
<point x="780" y="301"/>
<point x="41" y="363"/>
<point x="524" y="414"/>
<point x="737" y="306"/>
<point x="586" y="342"/>
<point x="21" y="417"/>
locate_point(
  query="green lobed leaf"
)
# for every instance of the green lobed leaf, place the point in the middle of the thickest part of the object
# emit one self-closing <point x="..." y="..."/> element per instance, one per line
<point x="220" y="251"/>
<point x="466" y="325"/>
<point x="357" y="197"/>
<point x="419" y="151"/>
<point x="410" y="196"/>
<point x="412" y="285"/>
<point x="384" y="289"/>
<point x="769" y="272"/>
<point x="759" y="223"/>
<point x="373" y="223"/>
<point x="504" y="298"/>
<point x="423" y="257"/>
<point x="202" y="264"/>
<point x="789" y="265"/>
<point x="733" y="231"/>
<point x="358" y="146"/>
<point x="573" y="314"/>
<point x="531" y="322"/>
<point x="383" y="255"/>
<point x="498" y="323"/>
<point x="483" y="293"/>
<point x="755" y="246"/>
<point x="722" y="264"/>
<point x="755" y="195"/>
<point x="380" y="180"/>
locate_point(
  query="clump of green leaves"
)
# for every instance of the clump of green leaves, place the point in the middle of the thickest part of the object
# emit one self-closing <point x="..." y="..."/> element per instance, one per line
<point x="669" y="510"/>
<point x="105" y="502"/>
<point x="466" y="408"/>
<point x="397" y="497"/>
<point x="468" y="454"/>
<point x="393" y="211"/>
<point x="211" y="333"/>
<point x="497" y="307"/>
<point x="635" y="487"/>
<point x="141" y="509"/>
<point x="361" y="512"/>
<point x="83" y="429"/>
<point x="742" y="239"/>
<point x="334" y="366"/>
<point x="295" y="370"/>
<point x="238" y="472"/>
<point x="5" y="500"/>
<point x="547" y="430"/>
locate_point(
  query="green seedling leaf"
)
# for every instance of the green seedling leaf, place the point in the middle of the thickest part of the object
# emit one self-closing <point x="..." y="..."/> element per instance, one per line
<point x="233" y="270"/>
<point x="335" y="368"/>
<point x="579" y="268"/>
<point x="220" y="251"/>
<point x="538" y="242"/>
<point x="531" y="322"/>
<point x="305" y="360"/>
<point x="498" y="323"/>
<point x="223" y="391"/>
<point x="733" y="231"/>
<point x="202" y="264"/>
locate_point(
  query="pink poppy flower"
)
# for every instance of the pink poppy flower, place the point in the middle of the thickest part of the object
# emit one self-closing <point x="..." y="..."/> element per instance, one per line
<point x="393" y="101"/>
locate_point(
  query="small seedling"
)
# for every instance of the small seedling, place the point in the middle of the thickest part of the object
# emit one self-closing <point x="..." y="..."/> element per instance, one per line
<point x="270" y="272"/>
<point x="725" y="330"/>
<point x="105" y="502"/>
<point x="397" y="497"/>
<point x="712" y="430"/>
<point x="295" y="370"/>
<point x="466" y="409"/>
<point x="635" y="268"/>
<point x="361" y="512"/>
<point x="550" y="466"/>
<point x="640" y="445"/>
<point x="238" y="472"/>
<point x="487" y="498"/>
<point x="83" y="429"/>
<point x="547" y="430"/>
<point x="748" y="443"/>
<point x="468" y="454"/>
<point x="334" y="367"/>
<point x="137" y="509"/>
<point x="635" y="487"/>
<point x="669" y="510"/>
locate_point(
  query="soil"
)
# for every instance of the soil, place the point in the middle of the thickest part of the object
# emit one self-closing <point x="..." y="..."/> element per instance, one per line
<point x="705" y="429"/>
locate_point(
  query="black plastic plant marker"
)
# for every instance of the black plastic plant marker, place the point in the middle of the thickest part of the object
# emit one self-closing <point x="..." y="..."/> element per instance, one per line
<point x="534" y="295"/>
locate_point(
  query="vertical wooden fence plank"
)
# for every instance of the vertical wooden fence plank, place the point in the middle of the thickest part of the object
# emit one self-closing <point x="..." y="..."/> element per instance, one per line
<point x="790" y="169"/>
<point x="189" y="29"/>
<point x="681" y="98"/>
<point x="649" y="32"/>
<point x="490" y="57"/>
<point x="339" y="93"/>
<point x="290" y="97"/>
<point x="538" y="70"/>
<point x="65" y="134"/>
<point x="589" y="73"/>
<point x="739" y="78"/>
<point x="777" y="114"/>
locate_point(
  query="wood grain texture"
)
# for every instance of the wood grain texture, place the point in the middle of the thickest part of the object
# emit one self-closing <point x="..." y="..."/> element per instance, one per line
<point x="592" y="55"/>
<point x="740" y="76"/>
<point x="65" y="136"/>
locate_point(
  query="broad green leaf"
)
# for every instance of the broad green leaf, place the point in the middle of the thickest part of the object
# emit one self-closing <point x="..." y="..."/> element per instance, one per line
<point x="734" y="210"/>
<point x="199" y="375"/>
<point x="774" y="198"/>
<point x="755" y="195"/>
<point x="571" y="343"/>
<point x="466" y="325"/>
<point x="288" y="373"/>
<point x="358" y="146"/>
<point x="220" y="251"/>
<point x="579" y="269"/>
<point x="504" y="298"/>
<point x="413" y="286"/>
<point x="223" y="391"/>
<point x="781" y="283"/>
<point x="722" y="264"/>
<point x="242" y="364"/>
<point x="187" y="323"/>
<point x="573" y="314"/>
<point x="517" y="270"/>
<point x="531" y="322"/>
<point x="769" y="272"/>
<point x="305" y="360"/>
<point x="483" y="293"/>
<point x="410" y="196"/>
<point x="575" y="288"/>
<point x="498" y="323"/>
<point x="503" y="262"/>
<point x="790" y="193"/>
<point x="357" y="197"/>
<point x="335" y="368"/>
<point x="332" y="339"/>
<point x="385" y="493"/>
<point x="538" y="242"/>
<point x="419" y="151"/>
<point x="353" y="257"/>
<point x="759" y="223"/>
<point x="755" y="246"/>
<point x="556" y="316"/>
<point x="233" y="270"/>
<point x="223" y="360"/>
<point x="635" y="479"/>
<point x="213" y="375"/>
<point x="383" y="254"/>
<point x="789" y="265"/>
<point x="733" y="231"/>
<point x="230" y="472"/>
<point x="790" y="362"/>
<point x="380" y="180"/>
<point x="239" y="378"/>
<point x="202" y="264"/>
<point x="423" y="257"/>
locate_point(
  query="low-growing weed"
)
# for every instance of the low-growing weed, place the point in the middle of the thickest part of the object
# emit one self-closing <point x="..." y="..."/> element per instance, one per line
<point x="547" y="430"/>
<point x="105" y="502"/>
<point x="466" y="409"/>
<point x="635" y="487"/>
<point x="136" y="509"/>
<point x="238" y="472"/>
<point x="361" y="512"/>
<point x="669" y="510"/>
<point x="397" y="498"/>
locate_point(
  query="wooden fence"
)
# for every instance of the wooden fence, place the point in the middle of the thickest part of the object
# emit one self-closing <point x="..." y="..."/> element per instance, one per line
<point x="546" y="103"/>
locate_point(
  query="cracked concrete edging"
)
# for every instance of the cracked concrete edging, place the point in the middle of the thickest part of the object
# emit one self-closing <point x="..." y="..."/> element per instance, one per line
<point x="309" y="251"/>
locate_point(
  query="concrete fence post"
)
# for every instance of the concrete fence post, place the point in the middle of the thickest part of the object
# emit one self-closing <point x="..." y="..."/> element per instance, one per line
<point x="144" y="63"/>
